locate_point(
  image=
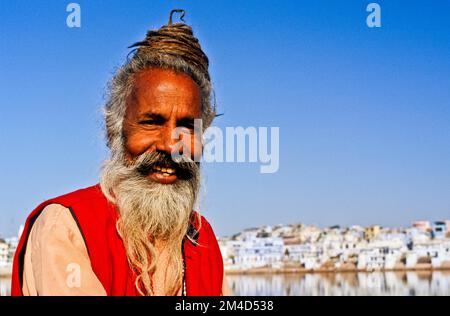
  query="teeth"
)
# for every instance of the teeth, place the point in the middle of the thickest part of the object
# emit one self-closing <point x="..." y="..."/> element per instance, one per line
<point x="165" y="171"/>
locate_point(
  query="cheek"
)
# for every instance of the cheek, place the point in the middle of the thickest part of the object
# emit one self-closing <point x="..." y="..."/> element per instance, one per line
<point x="138" y="143"/>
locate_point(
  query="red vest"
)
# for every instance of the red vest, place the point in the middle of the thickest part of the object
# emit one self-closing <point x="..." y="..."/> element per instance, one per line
<point x="96" y="219"/>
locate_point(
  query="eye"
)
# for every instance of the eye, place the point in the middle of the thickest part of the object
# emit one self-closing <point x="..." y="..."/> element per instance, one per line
<point x="187" y="123"/>
<point x="188" y="126"/>
<point x="147" y="122"/>
<point x="157" y="120"/>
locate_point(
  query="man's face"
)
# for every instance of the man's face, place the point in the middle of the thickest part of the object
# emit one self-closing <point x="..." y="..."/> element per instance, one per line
<point x="162" y="100"/>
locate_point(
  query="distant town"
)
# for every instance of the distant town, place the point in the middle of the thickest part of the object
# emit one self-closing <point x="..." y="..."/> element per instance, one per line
<point x="303" y="248"/>
<point x="7" y="250"/>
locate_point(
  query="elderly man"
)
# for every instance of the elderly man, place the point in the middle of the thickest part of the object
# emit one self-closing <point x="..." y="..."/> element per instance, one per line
<point x="136" y="232"/>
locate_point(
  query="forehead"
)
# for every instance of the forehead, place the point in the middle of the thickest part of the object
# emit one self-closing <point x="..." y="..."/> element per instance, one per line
<point x="164" y="91"/>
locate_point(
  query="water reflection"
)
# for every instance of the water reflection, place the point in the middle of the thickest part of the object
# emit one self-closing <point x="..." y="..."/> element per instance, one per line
<point x="376" y="283"/>
<point x="336" y="284"/>
<point x="5" y="284"/>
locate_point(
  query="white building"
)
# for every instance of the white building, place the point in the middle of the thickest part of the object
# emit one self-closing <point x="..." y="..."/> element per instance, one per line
<point x="313" y="248"/>
<point x="257" y="252"/>
<point x="381" y="254"/>
<point x="4" y="253"/>
<point x="411" y="259"/>
<point x="7" y="250"/>
<point x="437" y="250"/>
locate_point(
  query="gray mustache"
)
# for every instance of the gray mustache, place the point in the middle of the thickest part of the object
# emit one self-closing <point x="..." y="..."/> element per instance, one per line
<point x="184" y="166"/>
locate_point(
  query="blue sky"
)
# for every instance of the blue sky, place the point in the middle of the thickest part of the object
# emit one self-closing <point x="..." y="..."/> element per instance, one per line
<point x="364" y="114"/>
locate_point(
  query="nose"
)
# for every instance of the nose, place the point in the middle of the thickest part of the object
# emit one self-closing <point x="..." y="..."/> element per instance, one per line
<point x="169" y="142"/>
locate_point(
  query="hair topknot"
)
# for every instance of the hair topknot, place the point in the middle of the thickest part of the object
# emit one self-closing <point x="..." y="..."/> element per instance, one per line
<point x="177" y="40"/>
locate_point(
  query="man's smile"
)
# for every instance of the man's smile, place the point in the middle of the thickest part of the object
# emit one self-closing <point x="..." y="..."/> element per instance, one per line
<point x="163" y="175"/>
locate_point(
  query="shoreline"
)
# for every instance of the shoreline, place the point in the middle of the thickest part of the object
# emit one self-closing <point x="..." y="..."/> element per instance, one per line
<point x="258" y="271"/>
<point x="328" y="271"/>
<point x="6" y="271"/>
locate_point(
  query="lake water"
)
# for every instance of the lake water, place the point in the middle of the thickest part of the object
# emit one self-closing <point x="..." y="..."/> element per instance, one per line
<point x="376" y="283"/>
<point x="5" y="284"/>
<point x="337" y="284"/>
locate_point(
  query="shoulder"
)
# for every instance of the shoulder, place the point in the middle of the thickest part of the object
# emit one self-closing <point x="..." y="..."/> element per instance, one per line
<point x="52" y="222"/>
<point x="68" y="199"/>
<point x="50" y="216"/>
<point x="77" y="203"/>
<point x="89" y="193"/>
<point x="58" y="213"/>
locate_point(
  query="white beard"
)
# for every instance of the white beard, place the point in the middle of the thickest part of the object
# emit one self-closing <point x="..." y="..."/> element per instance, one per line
<point x="149" y="212"/>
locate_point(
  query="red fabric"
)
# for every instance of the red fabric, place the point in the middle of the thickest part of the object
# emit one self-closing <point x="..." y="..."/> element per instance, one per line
<point x="96" y="218"/>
